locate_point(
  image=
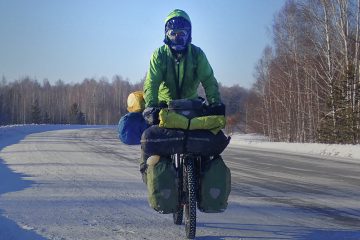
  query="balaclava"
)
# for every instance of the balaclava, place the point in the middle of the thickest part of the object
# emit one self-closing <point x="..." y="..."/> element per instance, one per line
<point x="177" y="30"/>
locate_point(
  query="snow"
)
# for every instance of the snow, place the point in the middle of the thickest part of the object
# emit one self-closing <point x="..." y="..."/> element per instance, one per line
<point x="13" y="179"/>
<point x="11" y="134"/>
<point x="343" y="152"/>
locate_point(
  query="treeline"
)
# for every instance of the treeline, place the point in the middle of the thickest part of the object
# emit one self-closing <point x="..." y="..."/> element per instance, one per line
<point x="307" y="82"/>
<point x="91" y="102"/>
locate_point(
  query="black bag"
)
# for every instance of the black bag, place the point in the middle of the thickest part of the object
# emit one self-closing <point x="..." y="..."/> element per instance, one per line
<point x="189" y="108"/>
<point x="165" y="141"/>
<point x="162" y="141"/>
<point x="205" y="143"/>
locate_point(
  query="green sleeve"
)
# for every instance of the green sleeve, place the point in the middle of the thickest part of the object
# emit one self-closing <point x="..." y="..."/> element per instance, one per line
<point x="207" y="79"/>
<point x="153" y="79"/>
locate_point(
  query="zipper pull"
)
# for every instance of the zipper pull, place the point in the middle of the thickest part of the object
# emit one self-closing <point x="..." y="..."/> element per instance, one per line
<point x="177" y="58"/>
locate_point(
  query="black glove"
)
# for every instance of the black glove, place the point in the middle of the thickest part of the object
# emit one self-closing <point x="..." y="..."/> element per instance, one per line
<point x="216" y="109"/>
<point x="151" y="115"/>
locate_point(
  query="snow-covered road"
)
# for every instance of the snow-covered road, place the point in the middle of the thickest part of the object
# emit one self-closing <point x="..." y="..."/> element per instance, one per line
<point x="84" y="184"/>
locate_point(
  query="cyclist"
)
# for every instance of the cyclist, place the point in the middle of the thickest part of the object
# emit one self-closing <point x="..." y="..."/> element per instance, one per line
<point x="176" y="70"/>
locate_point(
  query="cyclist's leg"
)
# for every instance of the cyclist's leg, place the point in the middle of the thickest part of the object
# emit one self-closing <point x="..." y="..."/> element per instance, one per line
<point x="143" y="165"/>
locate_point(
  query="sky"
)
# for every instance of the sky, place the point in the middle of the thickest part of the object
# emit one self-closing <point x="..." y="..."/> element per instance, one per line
<point x="73" y="40"/>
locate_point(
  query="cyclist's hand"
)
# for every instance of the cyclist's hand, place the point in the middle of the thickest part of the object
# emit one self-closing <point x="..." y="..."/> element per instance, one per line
<point x="216" y="109"/>
<point x="151" y="115"/>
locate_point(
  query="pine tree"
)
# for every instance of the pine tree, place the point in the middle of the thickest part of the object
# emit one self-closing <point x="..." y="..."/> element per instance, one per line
<point x="46" y="118"/>
<point x="76" y="115"/>
<point x="74" y="111"/>
<point x="344" y="130"/>
<point x="35" y="112"/>
<point x="81" y="118"/>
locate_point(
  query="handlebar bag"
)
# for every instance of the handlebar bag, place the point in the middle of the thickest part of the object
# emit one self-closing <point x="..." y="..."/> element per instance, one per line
<point x="189" y="108"/>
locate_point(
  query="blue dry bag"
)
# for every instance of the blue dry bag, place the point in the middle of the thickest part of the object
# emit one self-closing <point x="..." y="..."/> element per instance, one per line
<point x="130" y="128"/>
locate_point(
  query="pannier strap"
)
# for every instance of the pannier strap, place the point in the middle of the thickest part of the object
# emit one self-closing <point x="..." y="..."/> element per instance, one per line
<point x="161" y="140"/>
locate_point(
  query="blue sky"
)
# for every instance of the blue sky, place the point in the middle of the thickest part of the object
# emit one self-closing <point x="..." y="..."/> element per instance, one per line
<point x="76" y="39"/>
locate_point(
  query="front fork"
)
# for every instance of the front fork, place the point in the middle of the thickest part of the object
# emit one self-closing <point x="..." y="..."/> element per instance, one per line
<point x="180" y="175"/>
<point x="181" y="163"/>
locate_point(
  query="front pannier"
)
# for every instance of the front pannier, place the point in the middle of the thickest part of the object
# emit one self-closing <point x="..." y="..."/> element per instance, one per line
<point x="162" y="186"/>
<point x="215" y="186"/>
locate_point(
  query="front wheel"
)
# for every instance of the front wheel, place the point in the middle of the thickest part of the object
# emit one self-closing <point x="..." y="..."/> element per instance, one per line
<point x="190" y="207"/>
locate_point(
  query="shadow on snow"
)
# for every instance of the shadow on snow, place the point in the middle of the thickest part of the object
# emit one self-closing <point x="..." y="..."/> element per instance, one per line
<point x="13" y="182"/>
<point x="278" y="232"/>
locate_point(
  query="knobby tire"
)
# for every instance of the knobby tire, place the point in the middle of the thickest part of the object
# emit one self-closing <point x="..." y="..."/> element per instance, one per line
<point x="190" y="207"/>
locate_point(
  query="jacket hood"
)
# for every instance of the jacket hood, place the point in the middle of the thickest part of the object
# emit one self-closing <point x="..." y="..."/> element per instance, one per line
<point x="177" y="13"/>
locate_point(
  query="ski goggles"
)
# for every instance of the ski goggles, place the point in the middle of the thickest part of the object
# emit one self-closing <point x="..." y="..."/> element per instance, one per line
<point x="177" y="23"/>
<point x="172" y="34"/>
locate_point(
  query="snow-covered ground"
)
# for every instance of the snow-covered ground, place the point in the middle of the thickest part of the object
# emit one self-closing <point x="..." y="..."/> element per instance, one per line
<point x="345" y="151"/>
<point x="11" y="134"/>
<point x="35" y="190"/>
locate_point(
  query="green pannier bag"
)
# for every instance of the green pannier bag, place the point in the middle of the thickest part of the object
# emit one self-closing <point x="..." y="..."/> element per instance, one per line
<point x="162" y="186"/>
<point x="215" y="186"/>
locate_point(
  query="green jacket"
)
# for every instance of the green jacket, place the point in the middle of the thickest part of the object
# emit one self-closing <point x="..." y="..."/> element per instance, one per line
<point x="167" y="80"/>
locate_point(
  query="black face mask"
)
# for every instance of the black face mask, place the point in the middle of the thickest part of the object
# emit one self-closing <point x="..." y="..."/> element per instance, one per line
<point x="177" y="39"/>
<point x="177" y="33"/>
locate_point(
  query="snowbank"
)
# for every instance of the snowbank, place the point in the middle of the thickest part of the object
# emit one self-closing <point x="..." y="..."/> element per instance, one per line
<point x="334" y="150"/>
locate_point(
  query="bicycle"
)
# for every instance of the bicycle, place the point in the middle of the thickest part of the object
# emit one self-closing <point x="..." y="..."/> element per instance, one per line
<point x="188" y="162"/>
<point x="188" y="168"/>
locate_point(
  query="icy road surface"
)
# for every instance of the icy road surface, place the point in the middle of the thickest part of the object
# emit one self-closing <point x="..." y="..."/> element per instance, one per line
<point x="85" y="184"/>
